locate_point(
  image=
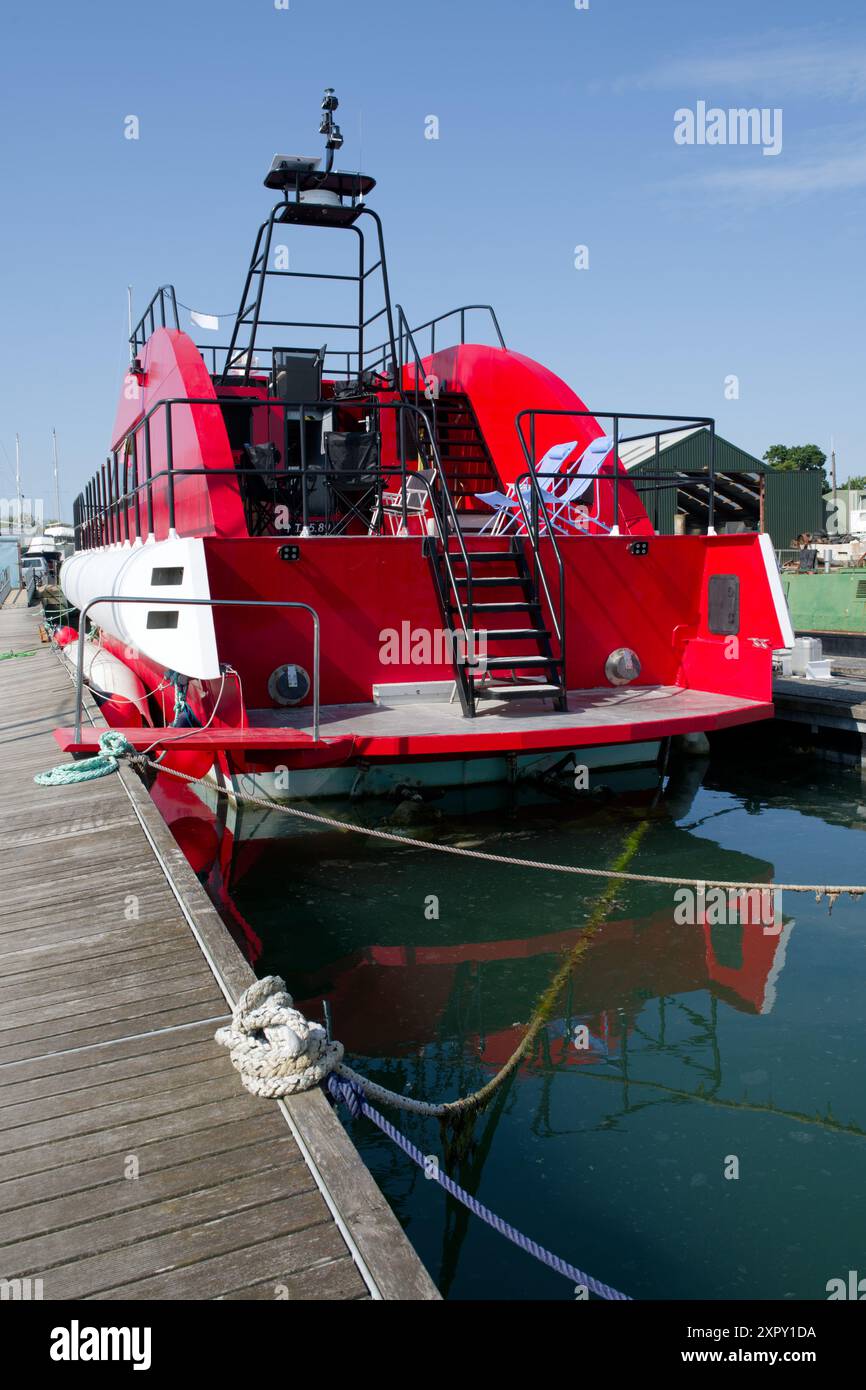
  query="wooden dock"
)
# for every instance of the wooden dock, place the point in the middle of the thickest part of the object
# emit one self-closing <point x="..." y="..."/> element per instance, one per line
<point x="133" y="1165"/>
<point x="832" y="710"/>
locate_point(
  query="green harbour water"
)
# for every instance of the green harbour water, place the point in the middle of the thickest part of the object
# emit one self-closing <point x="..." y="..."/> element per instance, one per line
<point x="675" y="1054"/>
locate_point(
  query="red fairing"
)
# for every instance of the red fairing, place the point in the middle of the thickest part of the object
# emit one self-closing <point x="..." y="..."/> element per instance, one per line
<point x="501" y="384"/>
<point x="174" y="370"/>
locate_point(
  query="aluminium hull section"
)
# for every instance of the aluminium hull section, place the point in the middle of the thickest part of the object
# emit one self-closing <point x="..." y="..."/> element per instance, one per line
<point x="288" y="784"/>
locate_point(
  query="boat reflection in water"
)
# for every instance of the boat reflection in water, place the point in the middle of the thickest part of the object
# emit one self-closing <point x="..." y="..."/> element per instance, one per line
<point x="413" y="951"/>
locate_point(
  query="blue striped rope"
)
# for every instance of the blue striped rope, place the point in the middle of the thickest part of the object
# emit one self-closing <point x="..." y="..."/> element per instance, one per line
<point x="353" y="1097"/>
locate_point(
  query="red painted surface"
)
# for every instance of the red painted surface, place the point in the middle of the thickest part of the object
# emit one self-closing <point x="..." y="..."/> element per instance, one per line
<point x="657" y="604"/>
<point x="501" y="384"/>
<point x="174" y="369"/>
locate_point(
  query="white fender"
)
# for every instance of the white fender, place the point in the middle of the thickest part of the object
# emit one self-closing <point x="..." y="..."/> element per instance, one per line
<point x="107" y="674"/>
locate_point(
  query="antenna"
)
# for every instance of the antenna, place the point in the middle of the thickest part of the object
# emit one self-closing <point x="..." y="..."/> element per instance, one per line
<point x="833" y="466"/>
<point x="56" y="477"/>
<point x="18" y="483"/>
<point x="329" y="127"/>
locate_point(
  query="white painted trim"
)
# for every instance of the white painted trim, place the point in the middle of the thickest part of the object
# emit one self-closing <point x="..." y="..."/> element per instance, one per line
<point x="775" y="581"/>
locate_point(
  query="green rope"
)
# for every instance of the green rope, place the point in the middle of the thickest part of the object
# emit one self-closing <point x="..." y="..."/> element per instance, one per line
<point x="111" y="745"/>
<point x="8" y="656"/>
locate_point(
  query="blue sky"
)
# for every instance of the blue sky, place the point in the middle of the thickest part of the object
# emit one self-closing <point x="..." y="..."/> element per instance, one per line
<point x="555" y="130"/>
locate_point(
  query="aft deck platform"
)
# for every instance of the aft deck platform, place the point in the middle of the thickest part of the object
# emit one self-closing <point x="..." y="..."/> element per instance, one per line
<point x="438" y="728"/>
<point x="133" y="1165"/>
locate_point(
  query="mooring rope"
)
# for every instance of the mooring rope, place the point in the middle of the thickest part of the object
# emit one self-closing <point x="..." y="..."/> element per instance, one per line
<point x="830" y="891"/>
<point x="353" y="1097"/>
<point x="112" y="746"/>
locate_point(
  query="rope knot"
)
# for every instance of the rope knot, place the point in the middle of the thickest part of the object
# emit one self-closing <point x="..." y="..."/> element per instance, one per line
<point x="112" y="747"/>
<point x="275" y="1049"/>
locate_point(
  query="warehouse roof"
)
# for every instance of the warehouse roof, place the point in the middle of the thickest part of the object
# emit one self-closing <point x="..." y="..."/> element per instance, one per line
<point x="642" y="450"/>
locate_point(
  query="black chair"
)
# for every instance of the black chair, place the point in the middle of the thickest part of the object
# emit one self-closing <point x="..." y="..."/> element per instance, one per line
<point x="262" y="487"/>
<point x="352" y="460"/>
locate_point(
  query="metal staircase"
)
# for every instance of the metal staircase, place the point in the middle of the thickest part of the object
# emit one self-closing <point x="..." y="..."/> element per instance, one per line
<point x="491" y="605"/>
<point x="485" y="580"/>
<point x="466" y="463"/>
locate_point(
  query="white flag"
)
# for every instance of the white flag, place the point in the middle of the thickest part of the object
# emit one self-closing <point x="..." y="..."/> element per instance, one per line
<point x="205" y="320"/>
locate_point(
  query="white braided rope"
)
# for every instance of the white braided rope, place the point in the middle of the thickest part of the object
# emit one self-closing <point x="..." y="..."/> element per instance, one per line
<point x="278" y="1052"/>
<point x="275" y="1049"/>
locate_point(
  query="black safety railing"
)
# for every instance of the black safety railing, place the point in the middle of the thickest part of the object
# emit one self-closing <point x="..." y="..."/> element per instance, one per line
<point x="161" y="312"/>
<point x="118" y="503"/>
<point x="460" y="314"/>
<point x="347" y="363"/>
<point x="667" y="425"/>
<point x="407" y="346"/>
<point x="249" y="319"/>
<point x="535" y="500"/>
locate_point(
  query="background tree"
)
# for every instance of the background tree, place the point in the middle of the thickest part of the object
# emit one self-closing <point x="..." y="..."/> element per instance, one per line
<point x="796" y="457"/>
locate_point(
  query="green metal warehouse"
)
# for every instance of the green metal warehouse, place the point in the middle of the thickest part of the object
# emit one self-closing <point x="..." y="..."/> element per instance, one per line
<point x="749" y="495"/>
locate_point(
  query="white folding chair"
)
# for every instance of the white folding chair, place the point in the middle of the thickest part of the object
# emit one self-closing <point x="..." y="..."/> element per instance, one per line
<point x="506" y="507"/>
<point x="561" y="505"/>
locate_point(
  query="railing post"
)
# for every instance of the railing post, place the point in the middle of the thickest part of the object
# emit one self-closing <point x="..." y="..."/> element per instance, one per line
<point x="131" y="444"/>
<point x="711" y="518"/>
<point x="148" y="481"/>
<point x="305" y="530"/>
<point x="109" y="500"/>
<point x="125" y="494"/>
<point x="404" y="523"/>
<point x="614" y="530"/>
<point x="286" y="444"/>
<point x="658" y="486"/>
<point x="169" y="467"/>
<point x="116" y="481"/>
<point x="102" y="520"/>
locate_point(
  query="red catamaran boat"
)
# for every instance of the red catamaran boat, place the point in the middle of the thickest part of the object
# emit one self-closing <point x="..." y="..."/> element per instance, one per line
<point x="335" y="566"/>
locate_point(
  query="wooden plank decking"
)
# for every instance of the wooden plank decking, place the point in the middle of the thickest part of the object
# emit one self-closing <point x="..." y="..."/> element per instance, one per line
<point x="114" y="971"/>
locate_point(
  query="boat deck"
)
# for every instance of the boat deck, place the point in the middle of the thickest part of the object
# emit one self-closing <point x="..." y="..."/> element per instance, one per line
<point x="133" y="1165"/>
<point x="603" y="715"/>
<point x="438" y="728"/>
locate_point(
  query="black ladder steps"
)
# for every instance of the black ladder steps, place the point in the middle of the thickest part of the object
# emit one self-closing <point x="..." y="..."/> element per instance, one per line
<point x="502" y="606"/>
<point x="517" y="692"/>
<point x="494" y="581"/>
<point x="509" y="663"/>
<point x="511" y="634"/>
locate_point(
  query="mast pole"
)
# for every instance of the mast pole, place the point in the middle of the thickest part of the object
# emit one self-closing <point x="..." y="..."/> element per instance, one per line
<point x="18" y="483"/>
<point x="56" y="477"/>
